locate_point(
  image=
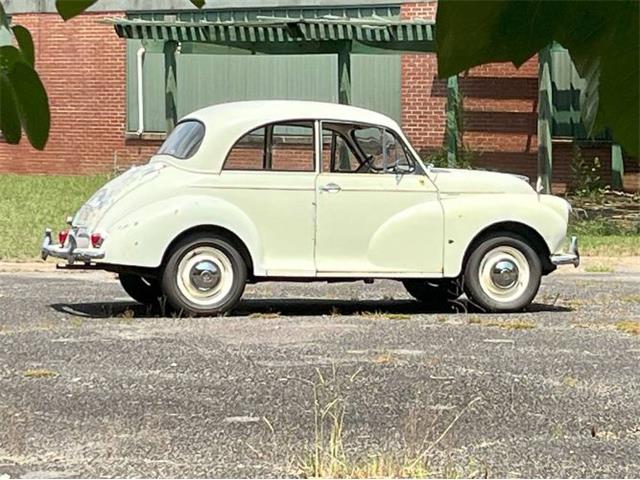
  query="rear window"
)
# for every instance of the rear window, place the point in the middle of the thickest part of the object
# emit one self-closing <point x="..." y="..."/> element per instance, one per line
<point x="183" y="142"/>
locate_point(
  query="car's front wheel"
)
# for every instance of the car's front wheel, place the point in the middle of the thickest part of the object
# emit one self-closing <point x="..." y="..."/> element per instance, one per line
<point x="204" y="275"/>
<point x="502" y="274"/>
<point x="145" y="290"/>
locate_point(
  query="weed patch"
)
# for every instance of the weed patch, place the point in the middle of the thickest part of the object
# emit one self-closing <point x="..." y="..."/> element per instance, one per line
<point x="327" y="457"/>
<point x="628" y="326"/>
<point x="505" y="325"/>
<point x="39" y="373"/>
<point x="379" y="315"/>
<point x="598" y="269"/>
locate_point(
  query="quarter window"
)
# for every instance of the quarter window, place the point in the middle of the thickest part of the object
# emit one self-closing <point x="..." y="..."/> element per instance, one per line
<point x="284" y="147"/>
<point x="185" y="139"/>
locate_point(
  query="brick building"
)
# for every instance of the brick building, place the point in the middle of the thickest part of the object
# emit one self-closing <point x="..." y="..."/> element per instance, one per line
<point x="90" y="75"/>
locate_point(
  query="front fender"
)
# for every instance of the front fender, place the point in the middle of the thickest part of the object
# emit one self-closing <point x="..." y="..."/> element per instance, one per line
<point x="468" y="215"/>
<point x="141" y="237"/>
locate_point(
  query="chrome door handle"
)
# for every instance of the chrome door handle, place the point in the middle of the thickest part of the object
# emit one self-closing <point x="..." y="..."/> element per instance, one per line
<point x="330" y="188"/>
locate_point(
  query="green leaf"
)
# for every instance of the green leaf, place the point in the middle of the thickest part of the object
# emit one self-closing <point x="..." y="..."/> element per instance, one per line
<point x="9" y="119"/>
<point x="4" y="21"/>
<point x="9" y="55"/>
<point x="32" y="103"/>
<point x="25" y="42"/>
<point x="198" y="3"/>
<point x="70" y="8"/>
<point x="602" y="38"/>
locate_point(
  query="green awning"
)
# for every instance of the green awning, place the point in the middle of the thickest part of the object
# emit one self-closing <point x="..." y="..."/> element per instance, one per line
<point x="286" y="35"/>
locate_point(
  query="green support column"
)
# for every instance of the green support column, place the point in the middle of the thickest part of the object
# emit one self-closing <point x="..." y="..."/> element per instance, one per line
<point x="545" y="112"/>
<point x="344" y="74"/>
<point x="617" y="167"/>
<point x="170" y="84"/>
<point x="453" y="98"/>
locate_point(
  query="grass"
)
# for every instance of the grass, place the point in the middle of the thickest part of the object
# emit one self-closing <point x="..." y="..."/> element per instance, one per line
<point x="606" y="237"/>
<point x="628" y="326"/>
<point x="505" y="325"/>
<point x="30" y="203"/>
<point x="598" y="269"/>
<point x="380" y="315"/>
<point x="328" y="458"/>
<point x="631" y="299"/>
<point x="39" y="373"/>
<point x="609" y="245"/>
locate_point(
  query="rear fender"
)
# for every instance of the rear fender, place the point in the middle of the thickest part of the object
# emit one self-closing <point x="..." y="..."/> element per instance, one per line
<point x="141" y="238"/>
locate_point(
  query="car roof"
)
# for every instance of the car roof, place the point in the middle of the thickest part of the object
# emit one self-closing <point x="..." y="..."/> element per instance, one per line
<point x="261" y="112"/>
<point x="225" y="123"/>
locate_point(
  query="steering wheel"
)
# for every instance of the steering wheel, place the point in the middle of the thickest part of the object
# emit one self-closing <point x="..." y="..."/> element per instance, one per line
<point x="365" y="167"/>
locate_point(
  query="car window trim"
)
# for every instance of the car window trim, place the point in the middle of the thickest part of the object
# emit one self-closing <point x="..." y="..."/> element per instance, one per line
<point x="312" y="123"/>
<point x="408" y="151"/>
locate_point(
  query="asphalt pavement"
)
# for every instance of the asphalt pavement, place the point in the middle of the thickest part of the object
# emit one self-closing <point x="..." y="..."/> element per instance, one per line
<point x="94" y="385"/>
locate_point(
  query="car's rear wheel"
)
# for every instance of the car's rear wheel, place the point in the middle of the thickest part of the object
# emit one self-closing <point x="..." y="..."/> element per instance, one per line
<point x="502" y="274"/>
<point x="145" y="290"/>
<point x="433" y="293"/>
<point x="204" y="274"/>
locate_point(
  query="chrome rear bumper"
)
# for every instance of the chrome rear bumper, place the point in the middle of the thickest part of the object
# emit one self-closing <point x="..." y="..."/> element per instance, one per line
<point x="572" y="257"/>
<point x="70" y="251"/>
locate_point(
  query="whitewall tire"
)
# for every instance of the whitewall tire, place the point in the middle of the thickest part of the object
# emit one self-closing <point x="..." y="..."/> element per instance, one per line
<point x="502" y="274"/>
<point x="204" y="275"/>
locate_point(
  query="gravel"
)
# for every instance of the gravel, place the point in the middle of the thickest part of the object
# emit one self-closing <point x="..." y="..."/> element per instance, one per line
<point x="93" y="385"/>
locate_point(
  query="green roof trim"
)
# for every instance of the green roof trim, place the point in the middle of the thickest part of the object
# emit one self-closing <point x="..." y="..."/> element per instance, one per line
<point x="288" y="35"/>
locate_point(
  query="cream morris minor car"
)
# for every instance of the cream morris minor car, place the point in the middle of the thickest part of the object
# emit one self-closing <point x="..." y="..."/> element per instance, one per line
<point x="288" y="190"/>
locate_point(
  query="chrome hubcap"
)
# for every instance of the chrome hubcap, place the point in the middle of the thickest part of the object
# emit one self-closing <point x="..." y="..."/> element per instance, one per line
<point x="504" y="274"/>
<point x="205" y="275"/>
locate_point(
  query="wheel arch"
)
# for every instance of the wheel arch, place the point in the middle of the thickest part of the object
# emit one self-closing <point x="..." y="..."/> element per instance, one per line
<point x="524" y="232"/>
<point x="213" y="230"/>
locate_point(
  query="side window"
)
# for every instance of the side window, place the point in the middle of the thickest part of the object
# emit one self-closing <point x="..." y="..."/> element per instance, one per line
<point x="354" y="148"/>
<point x="248" y="152"/>
<point x="383" y="151"/>
<point x="278" y="147"/>
<point x="395" y="153"/>
<point x="337" y="155"/>
<point x="292" y="147"/>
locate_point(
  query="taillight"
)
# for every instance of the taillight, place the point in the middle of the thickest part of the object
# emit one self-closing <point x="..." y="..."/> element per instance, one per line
<point x="62" y="236"/>
<point x="96" y="240"/>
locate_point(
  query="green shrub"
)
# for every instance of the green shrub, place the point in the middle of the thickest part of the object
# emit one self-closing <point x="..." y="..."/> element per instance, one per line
<point x="586" y="180"/>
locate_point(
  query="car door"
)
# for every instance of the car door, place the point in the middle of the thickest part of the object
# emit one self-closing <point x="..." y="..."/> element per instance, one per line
<point x="377" y="213"/>
<point x="269" y="175"/>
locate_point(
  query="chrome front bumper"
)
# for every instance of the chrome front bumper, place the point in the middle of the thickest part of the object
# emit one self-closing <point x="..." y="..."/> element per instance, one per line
<point x="70" y="250"/>
<point x="572" y="257"/>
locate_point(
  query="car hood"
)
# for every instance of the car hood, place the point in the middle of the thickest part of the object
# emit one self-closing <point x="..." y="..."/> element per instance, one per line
<point x="453" y="181"/>
<point x="91" y="212"/>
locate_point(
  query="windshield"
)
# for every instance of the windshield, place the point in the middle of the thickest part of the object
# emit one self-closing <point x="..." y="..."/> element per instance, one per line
<point x="183" y="142"/>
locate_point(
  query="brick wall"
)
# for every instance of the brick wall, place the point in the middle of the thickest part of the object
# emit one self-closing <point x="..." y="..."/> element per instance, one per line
<point x="424" y="96"/>
<point x="499" y="101"/>
<point x="82" y="64"/>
